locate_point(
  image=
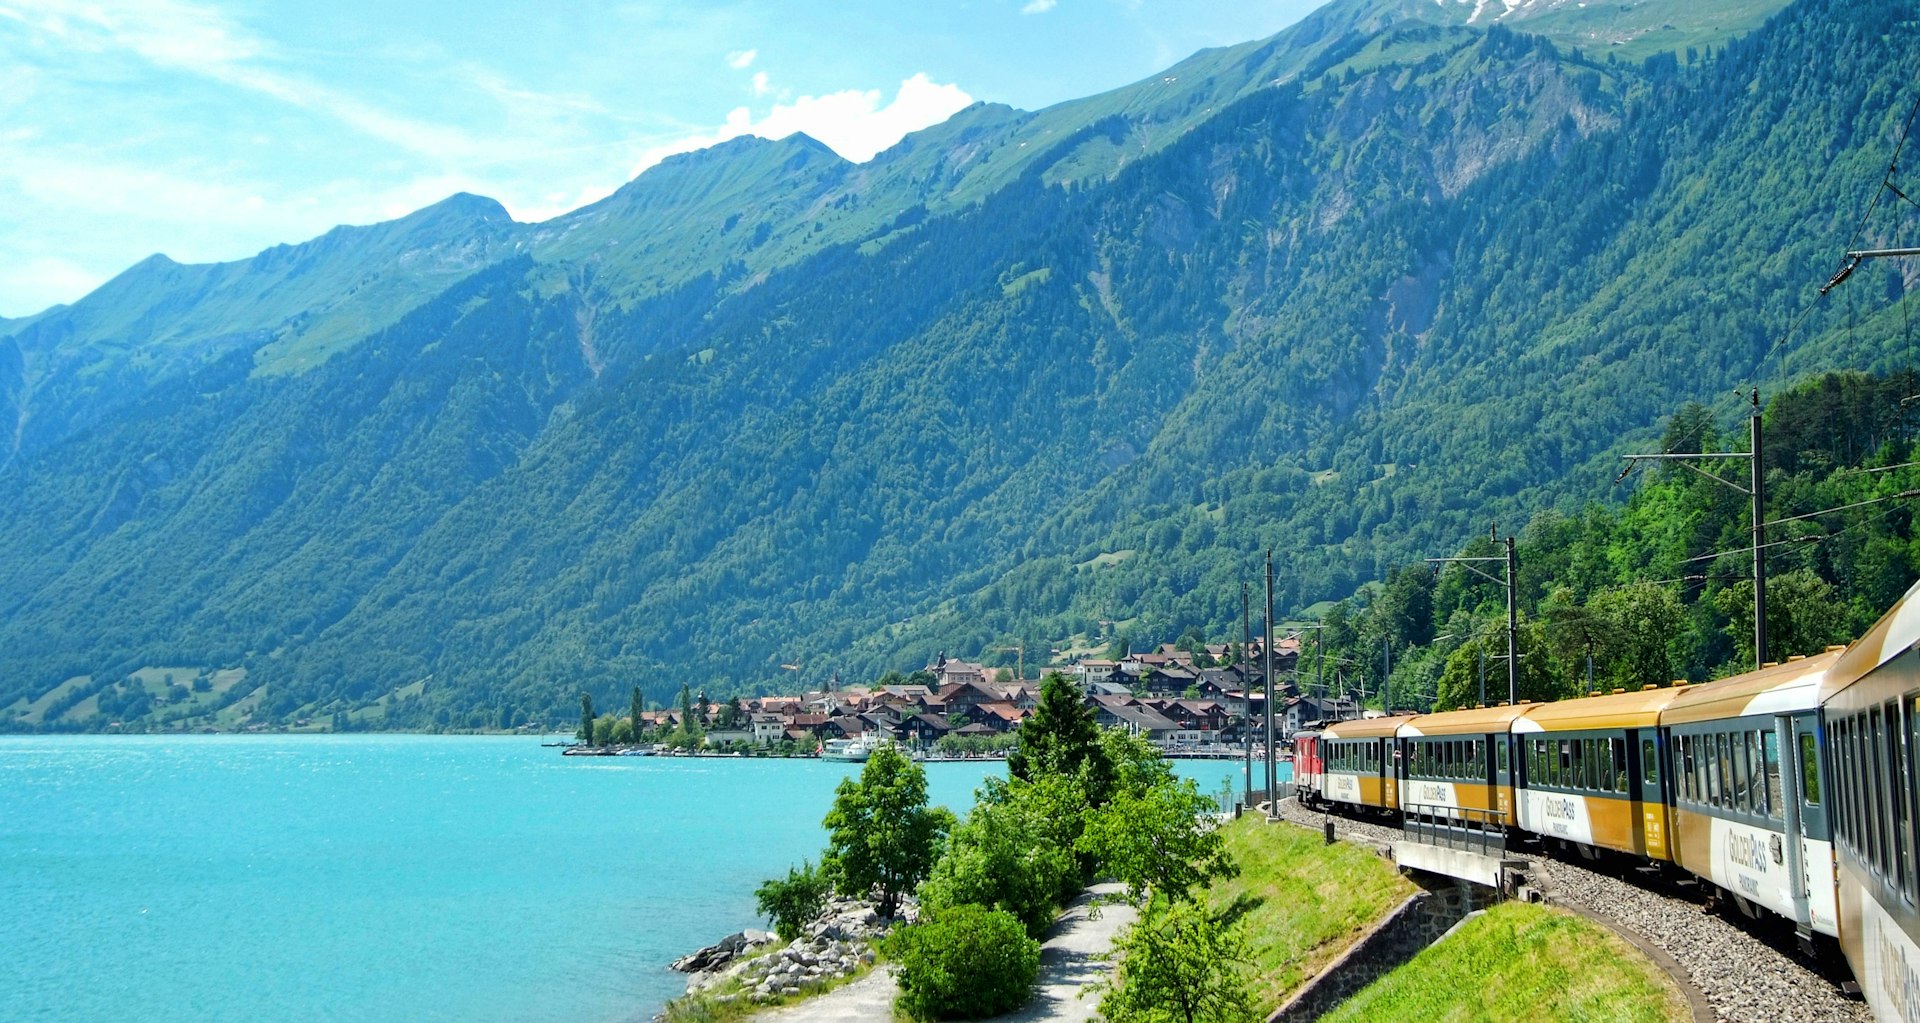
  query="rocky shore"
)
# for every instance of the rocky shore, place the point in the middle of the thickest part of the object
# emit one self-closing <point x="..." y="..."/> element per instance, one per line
<point x="837" y="944"/>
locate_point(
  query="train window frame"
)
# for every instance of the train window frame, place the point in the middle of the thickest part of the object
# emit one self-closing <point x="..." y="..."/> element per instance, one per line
<point x="1809" y="768"/>
<point x="1776" y="795"/>
<point x="1742" y="774"/>
<point x="1563" y="765"/>
<point x="1899" y="771"/>
<point x="1649" y="761"/>
<point x="1619" y="744"/>
<point x="1713" y="770"/>
<point x="1877" y="732"/>
<point x="1502" y="755"/>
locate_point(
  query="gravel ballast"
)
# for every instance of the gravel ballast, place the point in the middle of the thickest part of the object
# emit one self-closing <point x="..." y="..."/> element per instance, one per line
<point x="1744" y="978"/>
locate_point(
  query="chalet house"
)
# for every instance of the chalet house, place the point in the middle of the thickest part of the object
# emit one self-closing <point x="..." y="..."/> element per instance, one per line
<point x="1024" y="695"/>
<point x="1001" y="717"/>
<point x="1146" y="722"/>
<point x="956" y="673"/>
<point x="845" y="726"/>
<point x="971" y="694"/>
<point x="767" y="727"/>
<point x="1108" y="689"/>
<point x="923" y="729"/>
<point x="1307" y="711"/>
<point x="1106" y="709"/>
<point x="1094" y="670"/>
<point x="1169" y="679"/>
<point x="808" y="724"/>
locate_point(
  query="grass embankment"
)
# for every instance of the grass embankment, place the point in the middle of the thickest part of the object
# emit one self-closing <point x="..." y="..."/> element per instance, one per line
<point x="1302" y="902"/>
<point x="1521" y="962"/>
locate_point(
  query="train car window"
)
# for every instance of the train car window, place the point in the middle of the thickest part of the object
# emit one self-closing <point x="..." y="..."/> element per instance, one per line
<point x="1537" y="762"/>
<point x="1577" y="767"/>
<point x="1900" y="783"/>
<point x="1702" y="765"/>
<point x="1689" y="768"/>
<point x="1649" y="762"/>
<point x="1563" y="764"/>
<point x="1682" y="771"/>
<point x="1713" y="771"/>
<point x="1741" y="795"/>
<point x="1877" y="733"/>
<point x="1500" y="745"/>
<point x="1590" y="776"/>
<point x="1809" y="769"/>
<point x="1770" y="749"/>
<point x="1729" y="785"/>
<point x="1619" y="764"/>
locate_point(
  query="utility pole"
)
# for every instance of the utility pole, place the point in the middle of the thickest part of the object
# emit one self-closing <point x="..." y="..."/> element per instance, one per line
<point x="1273" y="804"/>
<point x="1246" y="686"/>
<point x="1386" y="680"/>
<point x="1512" y="563"/>
<point x="1755" y="490"/>
<point x="1513" y="623"/>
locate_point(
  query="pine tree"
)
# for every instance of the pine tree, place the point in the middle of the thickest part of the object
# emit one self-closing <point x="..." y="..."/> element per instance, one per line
<point x="586" y="719"/>
<point x="1061" y="736"/>
<point x="637" y="708"/>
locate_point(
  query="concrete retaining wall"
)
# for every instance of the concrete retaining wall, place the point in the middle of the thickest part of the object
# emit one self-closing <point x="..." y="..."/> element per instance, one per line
<point x="1415" y="924"/>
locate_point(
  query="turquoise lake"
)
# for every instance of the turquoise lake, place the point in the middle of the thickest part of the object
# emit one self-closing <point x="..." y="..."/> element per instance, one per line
<point x="388" y="878"/>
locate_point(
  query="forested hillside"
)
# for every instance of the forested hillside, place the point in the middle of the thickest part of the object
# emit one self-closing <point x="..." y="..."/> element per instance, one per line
<point x="1053" y="378"/>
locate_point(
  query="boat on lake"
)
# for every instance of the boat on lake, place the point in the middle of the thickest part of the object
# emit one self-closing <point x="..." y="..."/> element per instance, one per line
<point x="850" y="750"/>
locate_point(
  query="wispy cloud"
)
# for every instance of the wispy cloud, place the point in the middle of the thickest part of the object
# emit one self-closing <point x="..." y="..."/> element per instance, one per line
<point x="740" y="60"/>
<point x="201" y="41"/>
<point x="1039" y="6"/>
<point x="855" y="123"/>
<point x="760" y="86"/>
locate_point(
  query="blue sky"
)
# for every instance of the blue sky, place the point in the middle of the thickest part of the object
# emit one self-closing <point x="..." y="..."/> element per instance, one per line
<point x="209" y="131"/>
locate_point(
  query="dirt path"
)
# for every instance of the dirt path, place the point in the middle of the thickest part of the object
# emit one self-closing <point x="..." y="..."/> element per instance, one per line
<point x="1068" y="963"/>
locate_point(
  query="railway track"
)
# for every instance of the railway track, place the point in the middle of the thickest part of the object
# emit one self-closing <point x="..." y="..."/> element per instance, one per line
<point x="1749" y="970"/>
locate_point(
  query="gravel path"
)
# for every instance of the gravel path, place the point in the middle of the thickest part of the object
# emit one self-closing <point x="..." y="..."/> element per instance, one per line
<point x="1745" y="979"/>
<point x="1069" y="960"/>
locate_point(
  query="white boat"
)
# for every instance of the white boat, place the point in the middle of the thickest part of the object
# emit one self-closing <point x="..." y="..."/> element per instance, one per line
<point x="850" y="750"/>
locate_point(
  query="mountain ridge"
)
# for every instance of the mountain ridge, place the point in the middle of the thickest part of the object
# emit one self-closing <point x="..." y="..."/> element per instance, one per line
<point x="1329" y="318"/>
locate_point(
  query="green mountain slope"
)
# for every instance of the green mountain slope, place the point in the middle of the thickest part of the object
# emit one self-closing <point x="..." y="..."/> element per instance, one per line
<point x="1350" y="294"/>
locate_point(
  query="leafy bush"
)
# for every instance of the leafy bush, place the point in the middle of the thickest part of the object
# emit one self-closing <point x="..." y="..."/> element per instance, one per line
<point x="793" y="902"/>
<point x="968" y="962"/>
<point x="1013" y="852"/>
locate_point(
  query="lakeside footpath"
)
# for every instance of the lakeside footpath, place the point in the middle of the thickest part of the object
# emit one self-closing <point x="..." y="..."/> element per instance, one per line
<point x="1070" y="960"/>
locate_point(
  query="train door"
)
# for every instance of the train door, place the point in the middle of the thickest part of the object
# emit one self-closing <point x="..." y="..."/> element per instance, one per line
<point x="1500" y="768"/>
<point x="1796" y="759"/>
<point x="1391" y="772"/>
<point x="1646" y="784"/>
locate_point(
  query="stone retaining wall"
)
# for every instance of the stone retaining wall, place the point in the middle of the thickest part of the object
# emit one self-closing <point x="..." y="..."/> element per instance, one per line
<point x="1416" y="923"/>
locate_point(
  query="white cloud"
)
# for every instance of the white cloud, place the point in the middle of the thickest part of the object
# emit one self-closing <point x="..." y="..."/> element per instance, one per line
<point x="740" y="60"/>
<point x="853" y="122"/>
<point x="760" y="85"/>
<point x="1039" y="6"/>
<point x="34" y="284"/>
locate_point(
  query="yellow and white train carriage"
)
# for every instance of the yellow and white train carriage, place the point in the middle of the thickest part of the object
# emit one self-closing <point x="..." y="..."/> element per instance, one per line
<point x="1748" y="808"/>
<point x="1359" y="763"/>
<point x="1592" y="772"/>
<point x="1871" y="716"/>
<point x="1458" y="765"/>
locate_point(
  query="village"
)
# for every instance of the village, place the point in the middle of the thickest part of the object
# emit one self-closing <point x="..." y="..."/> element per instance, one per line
<point x="1194" y="701"/>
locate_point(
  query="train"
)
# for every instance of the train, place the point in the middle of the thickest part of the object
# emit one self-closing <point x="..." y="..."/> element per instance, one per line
<point x="1793" y="789"/>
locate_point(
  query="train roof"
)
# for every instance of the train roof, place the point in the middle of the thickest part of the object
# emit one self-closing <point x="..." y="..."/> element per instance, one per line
<point x="1365" y="728"/>
<point x="1638" y="709"/>
<point x="1896" y="632"/>
<point x="1779" y="689"/>
<point x="1477" y="721"/>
